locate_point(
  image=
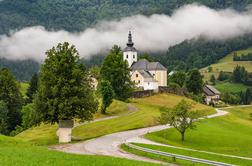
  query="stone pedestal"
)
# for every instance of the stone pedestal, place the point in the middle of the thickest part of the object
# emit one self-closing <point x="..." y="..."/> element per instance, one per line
<point x="65" y="131"/>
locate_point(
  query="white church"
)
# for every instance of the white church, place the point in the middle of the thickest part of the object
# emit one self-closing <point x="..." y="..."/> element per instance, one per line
<point x="146" y="75"/>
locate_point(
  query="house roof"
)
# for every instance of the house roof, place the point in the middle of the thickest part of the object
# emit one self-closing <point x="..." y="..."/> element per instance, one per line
<point x="210" y="90"/>
<point x="143" y="64"/>
<point x="147" y="76"/>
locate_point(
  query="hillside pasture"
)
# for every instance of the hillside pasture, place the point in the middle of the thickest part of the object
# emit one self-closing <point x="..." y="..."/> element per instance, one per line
<point x="147" y="114"/>
<point x="230" y="134"/>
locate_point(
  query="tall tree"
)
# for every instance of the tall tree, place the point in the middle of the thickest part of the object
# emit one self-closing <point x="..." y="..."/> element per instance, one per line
<point x="10" y="95"/>
<point x="178" y="78"/>
<point x="64" y="91"/>
<point x="194" y="82"/>
<point x="33" y="87"/>
<point x="3" y="118"/>
<point x="181" y="117"/>
<point x="107" y="95"/>
<point x="117" y="72"/>
<point x="213" y="79"/>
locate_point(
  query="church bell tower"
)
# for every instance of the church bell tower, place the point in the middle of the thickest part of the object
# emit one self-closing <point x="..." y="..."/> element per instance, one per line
<point x="130" y="52"/>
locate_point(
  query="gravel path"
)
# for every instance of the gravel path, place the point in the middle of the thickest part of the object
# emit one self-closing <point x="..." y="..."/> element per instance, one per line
<point x="110" y="144"/>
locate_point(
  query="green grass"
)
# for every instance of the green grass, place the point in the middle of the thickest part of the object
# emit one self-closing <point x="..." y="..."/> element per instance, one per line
<point x="227" y="64"/>
<point x="230" y="87"/>
<point x="14" y="152"/>
<point x="230" y="134"/>
<point x="147" y="115"/>
<point x="212" y="157"/>
<point x="157" y="157"/>
<point x="45" y="134"/>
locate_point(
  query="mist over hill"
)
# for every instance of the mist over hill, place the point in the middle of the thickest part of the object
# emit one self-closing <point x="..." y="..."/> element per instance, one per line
<point x="27" y="24"/>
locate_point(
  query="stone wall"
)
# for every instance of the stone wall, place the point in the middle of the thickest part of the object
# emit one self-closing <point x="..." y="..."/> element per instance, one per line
<point x="144" y="93"/>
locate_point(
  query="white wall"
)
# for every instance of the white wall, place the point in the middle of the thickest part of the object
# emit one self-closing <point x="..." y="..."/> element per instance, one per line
<point x="151" y="86"/>
<point x="132" y="57"/>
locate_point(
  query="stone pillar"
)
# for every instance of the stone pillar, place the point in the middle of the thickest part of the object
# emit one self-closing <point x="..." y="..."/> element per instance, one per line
<point x="65" y="131"/>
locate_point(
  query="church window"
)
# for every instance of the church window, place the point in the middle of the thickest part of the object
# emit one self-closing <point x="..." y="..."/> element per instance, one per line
<point x="134" y="56"/>
<point x="127" y="56"/>
<point x="139" y="81"/>
<point x="136" y="75"/>
<point x="153" y="75"/>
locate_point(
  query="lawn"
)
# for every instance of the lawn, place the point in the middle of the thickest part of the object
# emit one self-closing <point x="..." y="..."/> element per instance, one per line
<point x="230" y="134"/>
<point x="227" y="64"/>
<point x="230" y="87"/>
<point x="15" y="152"/>
<point x="45" y="134"/>
<point x="207" y="156"/>
<point x="147" y="115"/>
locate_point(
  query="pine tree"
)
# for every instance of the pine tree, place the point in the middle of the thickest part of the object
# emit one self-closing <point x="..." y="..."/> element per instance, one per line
<point x="10" y="95"/>
<point x="213" y="80"/>
<point x="194" y="82"/>
<point x="33" y="87"/>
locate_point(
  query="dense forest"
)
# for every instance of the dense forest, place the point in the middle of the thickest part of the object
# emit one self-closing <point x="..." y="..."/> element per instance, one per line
<point x="77" y="15"/>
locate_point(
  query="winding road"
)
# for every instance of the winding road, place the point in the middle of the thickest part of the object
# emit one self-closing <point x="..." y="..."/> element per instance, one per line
<point x="109" y="145"/>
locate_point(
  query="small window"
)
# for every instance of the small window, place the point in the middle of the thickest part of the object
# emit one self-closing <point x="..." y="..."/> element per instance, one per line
<point x="154" y="75"/>
<point x="133" y="56"/>
<point x="136" y="75"/>
<point x="139" y="81"/>
<point x="148" y="83"/>
<point x="127" y="56"/>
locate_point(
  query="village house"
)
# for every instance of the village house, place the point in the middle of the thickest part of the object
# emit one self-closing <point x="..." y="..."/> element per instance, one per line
<point x="212" y="95"/>
<point x="146" y="75"/>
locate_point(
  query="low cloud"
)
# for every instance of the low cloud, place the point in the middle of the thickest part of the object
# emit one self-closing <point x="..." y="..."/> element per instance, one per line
<point x="153" y="33"/>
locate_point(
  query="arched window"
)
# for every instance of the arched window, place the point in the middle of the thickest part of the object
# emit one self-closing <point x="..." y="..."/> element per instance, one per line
<point x="136" y="75"/>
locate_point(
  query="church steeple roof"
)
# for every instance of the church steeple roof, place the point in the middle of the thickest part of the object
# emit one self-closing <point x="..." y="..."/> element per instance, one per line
<point x="130" y="43"/>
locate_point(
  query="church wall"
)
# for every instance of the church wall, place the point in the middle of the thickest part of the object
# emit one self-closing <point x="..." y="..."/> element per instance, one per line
<point x="160" y="76"/>
<point x="136" y="77"/>
<point x="132" y="57"/>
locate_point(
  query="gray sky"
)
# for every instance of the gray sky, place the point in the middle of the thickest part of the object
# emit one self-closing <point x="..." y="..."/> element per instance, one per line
<point x="153" y="33"/>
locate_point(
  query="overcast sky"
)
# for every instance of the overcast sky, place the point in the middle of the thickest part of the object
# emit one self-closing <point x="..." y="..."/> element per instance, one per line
<point x="153" y="33"/>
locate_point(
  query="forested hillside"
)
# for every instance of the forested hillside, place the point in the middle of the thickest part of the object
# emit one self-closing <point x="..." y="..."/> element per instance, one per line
<point x="77" y="15"/>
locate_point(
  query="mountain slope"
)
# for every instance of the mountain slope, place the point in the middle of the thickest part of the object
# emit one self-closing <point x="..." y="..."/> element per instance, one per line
<point x="77" y="15"/>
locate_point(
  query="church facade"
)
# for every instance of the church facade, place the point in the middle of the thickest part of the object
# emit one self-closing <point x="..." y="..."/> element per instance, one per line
<point x="146" y="75"/>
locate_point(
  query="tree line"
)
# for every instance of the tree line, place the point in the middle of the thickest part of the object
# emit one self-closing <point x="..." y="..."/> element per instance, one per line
<point x="62" y="90"/>
<point x="242" y="57"/>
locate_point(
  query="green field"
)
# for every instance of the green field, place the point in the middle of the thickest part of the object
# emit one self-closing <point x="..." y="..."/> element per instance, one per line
<point x="15" y="152"/>
<point x="230" y="87"/>
<point x="230" y="134"/>
<point x="227" y="64"/>
<point x="45" y="134"/>
<point x="206" y="156"/>
<point x="147" y="115"/>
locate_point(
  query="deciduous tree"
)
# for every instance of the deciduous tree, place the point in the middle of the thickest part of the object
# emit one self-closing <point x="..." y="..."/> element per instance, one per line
<point x="117" y="72"/>
<point x="181" y="117"/>
<point x="64" y="91"/>
<point x="107" y="95"/>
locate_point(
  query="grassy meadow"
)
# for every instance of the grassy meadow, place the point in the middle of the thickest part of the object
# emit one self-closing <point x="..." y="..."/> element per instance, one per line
<point x="206" y="156"/>
<point x="146" y="115"/>
<point x="230" y="87"/>
<point x="229" y="134"/>
<point x="14" y="152"/>
<point x="227" y="64"/>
